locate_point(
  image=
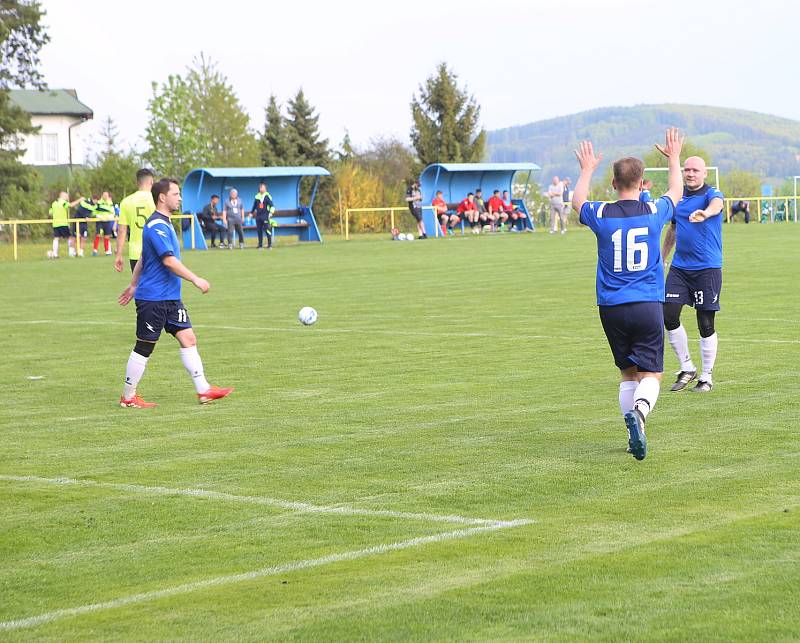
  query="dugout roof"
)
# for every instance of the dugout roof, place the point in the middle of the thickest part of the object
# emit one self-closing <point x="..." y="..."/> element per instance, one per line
<point x="455" y="180"/>
<point x="283" y="183"/>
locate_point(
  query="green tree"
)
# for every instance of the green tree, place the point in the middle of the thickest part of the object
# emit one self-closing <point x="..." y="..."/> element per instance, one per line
<point x="21" y="38"/>
<point x="113" y="170"/>
<point x="303" y="128"/>
<point x="275" y="144"/>
<point x="740" y="183"/>
<point x="173" y="134"/>
<point x="196" y="121"/>
<point x="446" y="121"/>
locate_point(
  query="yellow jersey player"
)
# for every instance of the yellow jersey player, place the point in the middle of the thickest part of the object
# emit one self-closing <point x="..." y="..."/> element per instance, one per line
<point x="134" y="211"/>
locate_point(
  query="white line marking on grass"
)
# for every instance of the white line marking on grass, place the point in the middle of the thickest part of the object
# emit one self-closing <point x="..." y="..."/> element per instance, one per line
<point x="302" y="507"/>
<point x="391" y="332"/>
<point x="255" y="574"/>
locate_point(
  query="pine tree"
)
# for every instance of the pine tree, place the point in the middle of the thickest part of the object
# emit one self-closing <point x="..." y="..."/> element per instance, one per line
<point x="446" y="120"/>
<point x="303" y="128"/>
<point x="275" y="146"/>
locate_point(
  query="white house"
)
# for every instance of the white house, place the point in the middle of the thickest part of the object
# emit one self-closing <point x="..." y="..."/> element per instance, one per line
<point x="59" y="115"/>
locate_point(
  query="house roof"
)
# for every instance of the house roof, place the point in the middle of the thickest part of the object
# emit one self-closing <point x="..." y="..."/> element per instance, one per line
<point x="57" y="102"/>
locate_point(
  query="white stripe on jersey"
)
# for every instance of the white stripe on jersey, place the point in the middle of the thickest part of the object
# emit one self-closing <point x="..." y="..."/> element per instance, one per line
<point x="156" y="222"/>
<point x="600" y="211"/>
<point x="652" y="206"/>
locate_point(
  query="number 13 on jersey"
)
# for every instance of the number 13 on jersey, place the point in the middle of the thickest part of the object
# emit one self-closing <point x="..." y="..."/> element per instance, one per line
<point x="635" y="251"/>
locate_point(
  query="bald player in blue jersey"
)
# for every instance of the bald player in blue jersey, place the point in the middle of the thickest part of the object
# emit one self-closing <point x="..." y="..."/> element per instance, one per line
<point x="630" y="276"/>
<point x="695" y="276"/>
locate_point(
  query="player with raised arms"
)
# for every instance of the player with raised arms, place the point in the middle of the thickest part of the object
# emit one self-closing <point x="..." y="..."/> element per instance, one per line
<point x="134" y="210"/>
<point x="695" y="276"/>
<point x="156" y="283"/>
<point x="630" y="276"/>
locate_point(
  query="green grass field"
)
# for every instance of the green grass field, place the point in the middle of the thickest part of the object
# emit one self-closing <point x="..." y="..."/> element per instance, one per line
<point x="440" y="457"/>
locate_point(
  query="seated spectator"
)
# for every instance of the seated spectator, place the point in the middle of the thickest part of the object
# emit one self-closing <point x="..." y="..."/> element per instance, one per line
<point x="211" y="221"/>
<point x="743" y="207"/>
<point x="474" y="218"/>
<point x="494" y="209"/>
<point x="514" y="214"/>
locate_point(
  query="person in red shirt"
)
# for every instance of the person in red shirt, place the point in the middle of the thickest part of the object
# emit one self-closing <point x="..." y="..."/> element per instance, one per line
<point x="447" y="220"/>
<point x="495" y="210"/>
<point x="513" y="212"/>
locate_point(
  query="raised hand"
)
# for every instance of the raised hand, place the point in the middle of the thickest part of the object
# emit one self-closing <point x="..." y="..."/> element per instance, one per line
<point x="673" y="142"/>
<point x="586" y="158"/>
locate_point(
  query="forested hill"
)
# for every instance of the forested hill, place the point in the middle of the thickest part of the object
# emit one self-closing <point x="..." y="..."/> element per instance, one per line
<point x="734" y="138"/>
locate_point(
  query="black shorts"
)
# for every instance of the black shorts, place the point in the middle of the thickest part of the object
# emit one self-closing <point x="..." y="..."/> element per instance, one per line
<point x="106" y="227"/>
<point x="82" y="226"/>
<point x="154" y="316"/>
<point x="635" y="334"/>
<point x="698" y="288"/>
<point x="416" y="212"/>
<point x="61" y="231"/>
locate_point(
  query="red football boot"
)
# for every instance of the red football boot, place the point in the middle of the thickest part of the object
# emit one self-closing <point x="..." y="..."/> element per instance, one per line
<point x="214" y="393"/>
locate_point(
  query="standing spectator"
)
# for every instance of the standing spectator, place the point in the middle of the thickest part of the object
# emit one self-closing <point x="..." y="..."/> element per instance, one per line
<point x="105" y="223"/>
<point x="59" y="210"/>
<point x="566" y="195"/>
<point x="263" y="207"/>
<point x="234" y="211"/>
<point x="556" y="194"/>
<point x="211" y="220"/>
<point x="414" y="199"/>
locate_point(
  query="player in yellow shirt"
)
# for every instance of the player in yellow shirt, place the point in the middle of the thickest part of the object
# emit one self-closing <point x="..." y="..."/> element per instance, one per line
<point x="134" y="210"/>
<point x="59" y="210"/>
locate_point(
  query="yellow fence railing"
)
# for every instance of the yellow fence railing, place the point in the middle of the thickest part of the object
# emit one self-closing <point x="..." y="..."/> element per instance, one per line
<point x="789" y="213"/>
<point x="344" y="220"/>
<point x="15" y="223"/>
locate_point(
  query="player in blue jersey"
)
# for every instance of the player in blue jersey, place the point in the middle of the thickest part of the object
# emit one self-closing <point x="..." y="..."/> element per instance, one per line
<point x="630" y="276"/>
<point x="695" y="276"/>
<point x="156" y="284"/>
<point x="644" y="195"/>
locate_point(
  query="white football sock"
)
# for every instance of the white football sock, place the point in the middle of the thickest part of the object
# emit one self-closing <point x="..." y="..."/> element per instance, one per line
<point x="194" y="366"/>
<point x="646" y="395"/>
<point x="55" y="247"/>
<point x="680" y="344"/>
<point x="708" y="349"/>
<point x="133" y="373"/>
<point x="626" y="390"/>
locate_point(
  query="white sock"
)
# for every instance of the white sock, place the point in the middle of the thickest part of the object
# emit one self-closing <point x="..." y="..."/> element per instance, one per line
<point x="133" y="373"/>
<point x="626" y="390"/>
<point x="680" y="344"/>
<point x="194" y="366"/>
<point x="646" y="394"/>
<point x="708" y="349"/>
<point x="55" y="247"/>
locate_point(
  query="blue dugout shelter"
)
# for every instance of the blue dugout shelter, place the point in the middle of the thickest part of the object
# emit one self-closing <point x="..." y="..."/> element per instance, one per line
<point x="291" y="217"/>
<point x="455" y="180"/>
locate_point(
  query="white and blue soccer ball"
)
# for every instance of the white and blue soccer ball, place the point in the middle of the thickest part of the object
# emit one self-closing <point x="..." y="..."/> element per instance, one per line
<point x="401" y="236"/>
<point x="307" y="315"/>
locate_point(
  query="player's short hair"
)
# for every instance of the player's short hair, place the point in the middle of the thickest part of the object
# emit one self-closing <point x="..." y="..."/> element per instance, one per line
<point x="438" y="192"/>
<point x="215" y="196"/>
<point x="478" y="190"/>
<point x="628" y="173"/>
<point x="496" y="192"/>
<point x="262" y="183"/>
<point x="162" y="187"/>
<point x="142" y="174"/>
<point x="469" y="194"/>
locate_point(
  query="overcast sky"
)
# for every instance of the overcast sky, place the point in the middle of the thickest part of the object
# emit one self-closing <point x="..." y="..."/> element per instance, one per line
<point x="360" y="62"/>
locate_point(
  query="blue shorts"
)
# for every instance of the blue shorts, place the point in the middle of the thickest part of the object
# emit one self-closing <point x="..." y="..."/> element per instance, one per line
<point x="81" y="228"/>
<point x="154" y="316"/>
<point x="698" y="288"/>
<point x="635" y="334"/>
<point x="106" y="227"/>
<point x="61" y="231"/>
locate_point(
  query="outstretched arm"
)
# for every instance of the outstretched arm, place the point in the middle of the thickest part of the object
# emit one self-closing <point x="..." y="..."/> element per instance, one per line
<point x="588" y="162"/>
<point x="669" y="243"/>
<point x="713" y="208"/>
<point x="673" y="143"/>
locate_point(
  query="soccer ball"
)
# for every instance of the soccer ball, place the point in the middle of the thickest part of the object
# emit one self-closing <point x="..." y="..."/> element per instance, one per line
<point x="49" y="254"/>
<point x="307" y="315"/>
<point x="409" y="237"/>
<point x="401" y="236"/>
